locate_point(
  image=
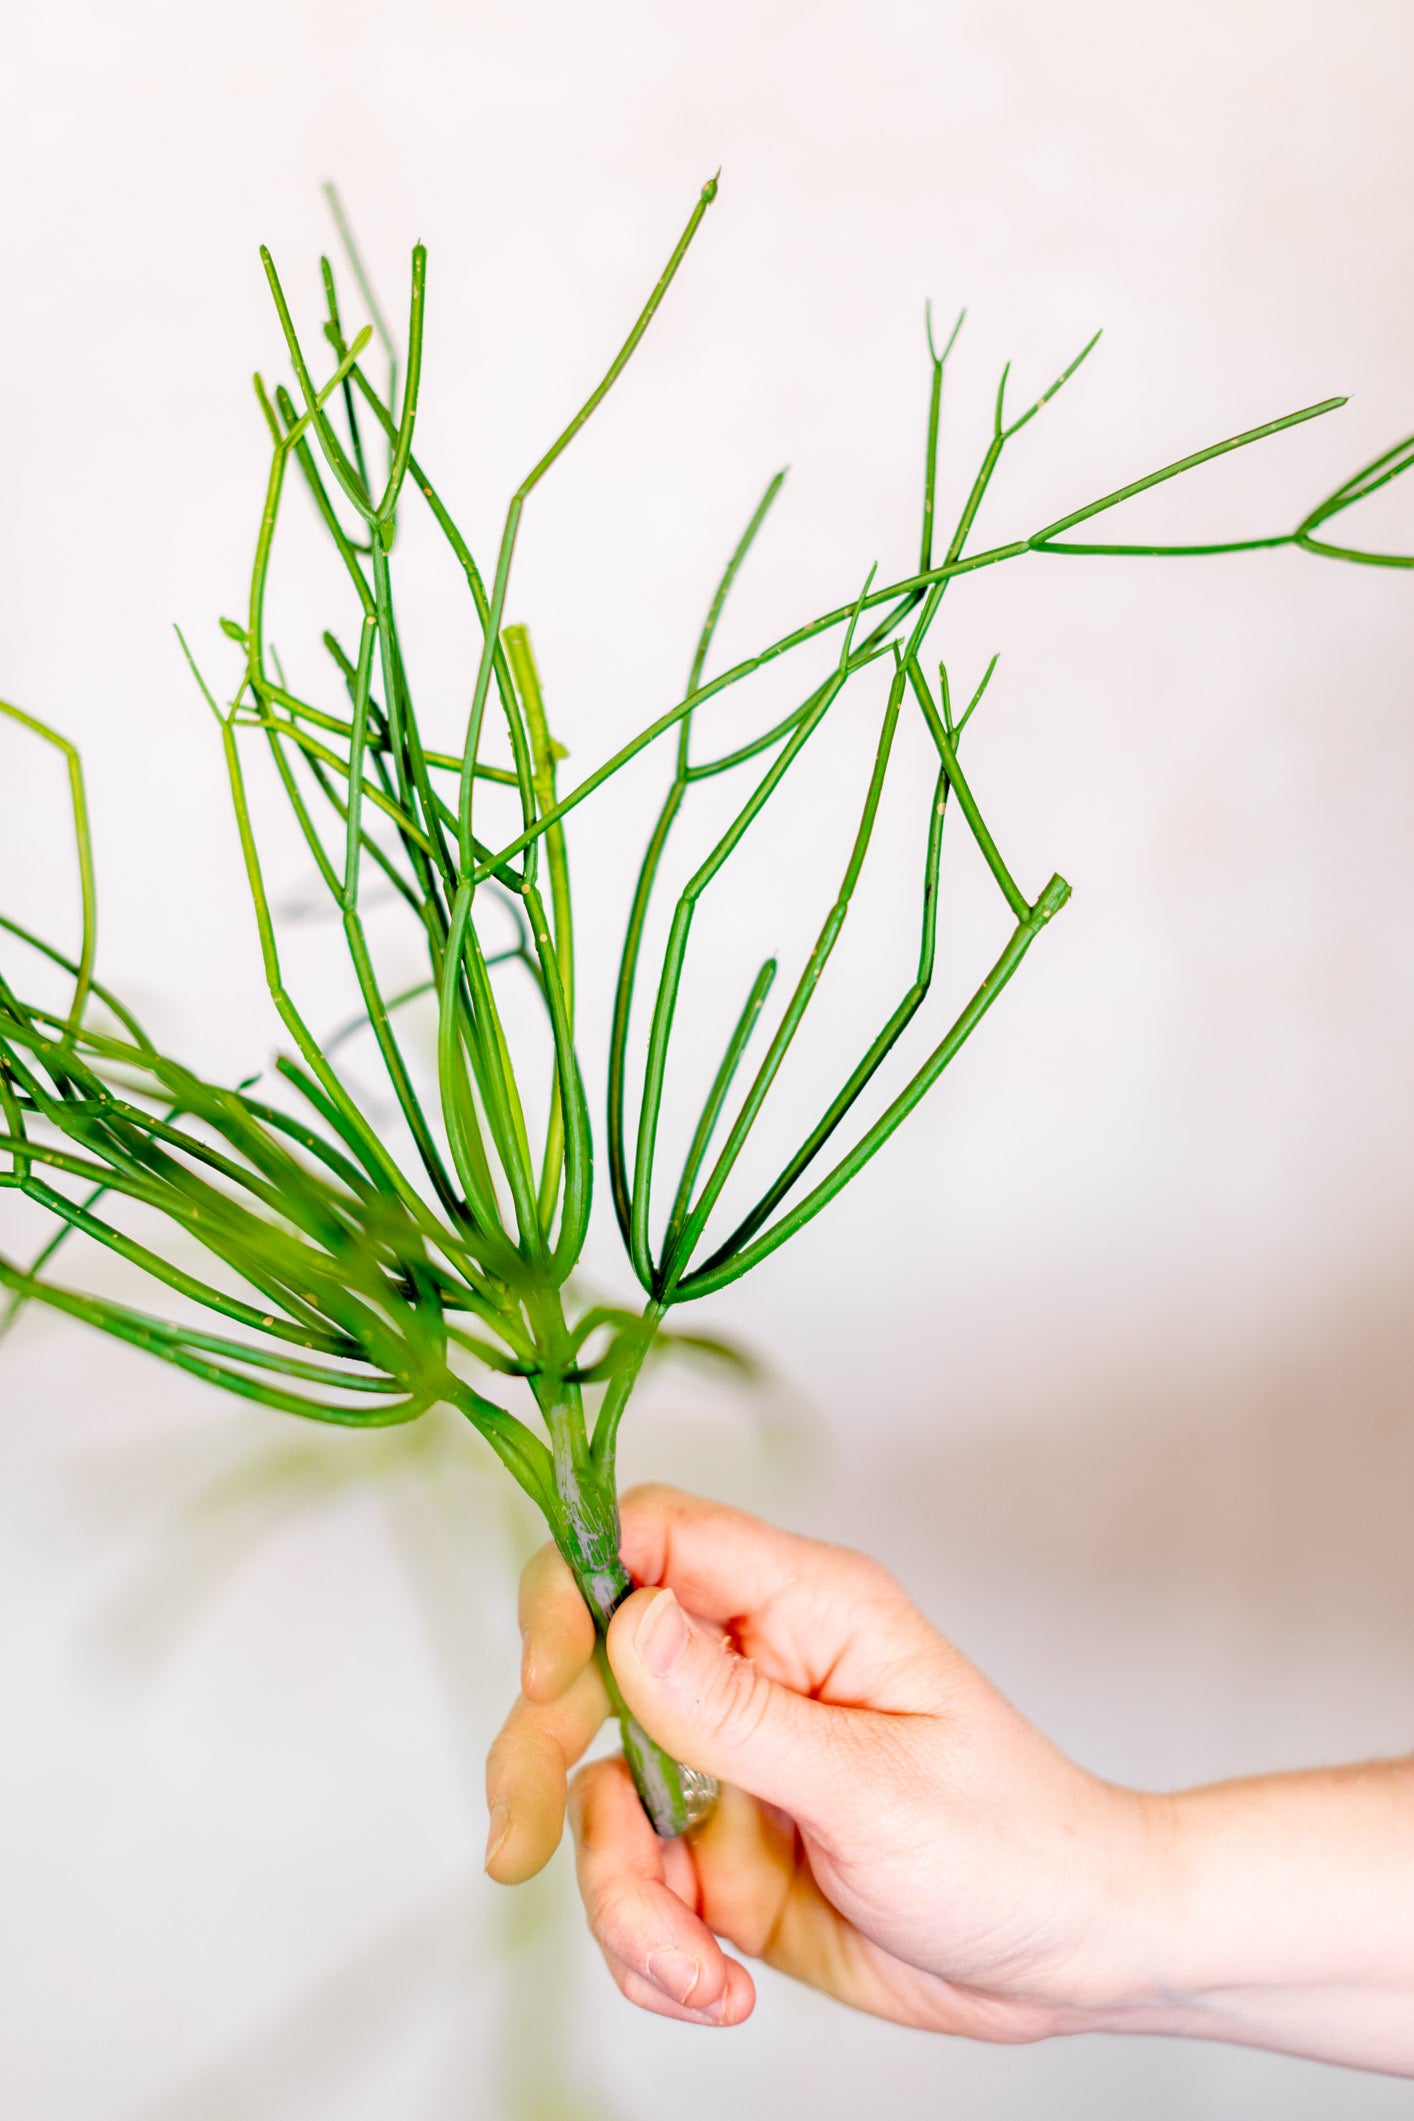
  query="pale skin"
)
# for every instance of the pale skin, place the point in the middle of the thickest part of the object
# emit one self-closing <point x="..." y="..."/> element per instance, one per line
<point x="893" y="1832"/>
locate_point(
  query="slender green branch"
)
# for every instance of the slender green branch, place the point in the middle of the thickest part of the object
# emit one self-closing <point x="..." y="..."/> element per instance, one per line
<point x="527" y="487"/>
<point x="83" y="848"/>
<point x="709" y="1278"/>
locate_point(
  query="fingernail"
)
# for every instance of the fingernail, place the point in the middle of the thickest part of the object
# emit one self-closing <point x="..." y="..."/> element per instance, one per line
<point x="675" y="1973"/>
<point x="498" y="1827"/>
<point x="662" y="1634"/>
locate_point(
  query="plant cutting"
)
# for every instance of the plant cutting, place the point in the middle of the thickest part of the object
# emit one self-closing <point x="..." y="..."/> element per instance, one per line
<point x="306" y="1255"/>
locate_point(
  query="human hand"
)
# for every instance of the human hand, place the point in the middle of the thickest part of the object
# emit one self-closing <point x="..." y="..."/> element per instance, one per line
<point x="890" y="1829"/>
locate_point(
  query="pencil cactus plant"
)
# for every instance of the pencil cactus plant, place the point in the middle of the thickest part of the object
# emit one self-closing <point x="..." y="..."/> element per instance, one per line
<point x="335" y="1270"/>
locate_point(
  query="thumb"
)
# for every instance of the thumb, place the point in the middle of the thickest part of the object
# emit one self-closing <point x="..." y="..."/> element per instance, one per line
<point x="713" y="1708"/>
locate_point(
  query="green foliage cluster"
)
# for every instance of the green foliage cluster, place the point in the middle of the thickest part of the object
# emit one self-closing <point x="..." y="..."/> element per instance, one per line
<point x="326" y="1275"/>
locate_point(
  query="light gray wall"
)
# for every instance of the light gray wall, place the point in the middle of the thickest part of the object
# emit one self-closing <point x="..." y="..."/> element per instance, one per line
<point x="1111" y="1355"/>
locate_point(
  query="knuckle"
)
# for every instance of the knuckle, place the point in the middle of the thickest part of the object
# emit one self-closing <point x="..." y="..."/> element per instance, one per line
<point x="544" y="1746"/>
<point x="506" y="1738"/>
<point x="524" y="1743"/>
<point x="865" y="1573"/>
<point x="609" y="1904"/>
<point x="538" y="1572"/>
<point x="587" y="1789"/>
<point x="741" y="1699"/>
<point x="653" y="1496"/>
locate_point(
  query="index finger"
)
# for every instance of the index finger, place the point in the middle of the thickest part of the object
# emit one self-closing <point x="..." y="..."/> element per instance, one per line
<point x="812" y="1616"/>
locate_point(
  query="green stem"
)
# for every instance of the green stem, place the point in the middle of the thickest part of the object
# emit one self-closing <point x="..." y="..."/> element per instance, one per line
<point x="585" y="1524"/>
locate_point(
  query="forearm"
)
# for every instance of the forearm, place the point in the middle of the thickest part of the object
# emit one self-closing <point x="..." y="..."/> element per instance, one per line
<point x="1279" y="1913"/>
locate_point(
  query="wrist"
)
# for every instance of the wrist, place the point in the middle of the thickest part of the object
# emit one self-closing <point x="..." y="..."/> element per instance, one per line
<point x="1117" y="1979"/>
<point x="1138" y="1983"/>
<point x="1168" y="1957"/>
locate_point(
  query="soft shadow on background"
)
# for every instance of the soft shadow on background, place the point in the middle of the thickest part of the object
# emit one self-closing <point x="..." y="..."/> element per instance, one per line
<point x="1112" y="1355"/>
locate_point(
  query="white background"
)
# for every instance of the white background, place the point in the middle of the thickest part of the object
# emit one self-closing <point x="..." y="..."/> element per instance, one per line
<point x="1110" y="1353"/>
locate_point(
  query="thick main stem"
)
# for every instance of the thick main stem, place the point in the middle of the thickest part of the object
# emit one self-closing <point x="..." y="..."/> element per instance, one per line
<point x="587" y="1533"/>
<point x="673" y="1795"/>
